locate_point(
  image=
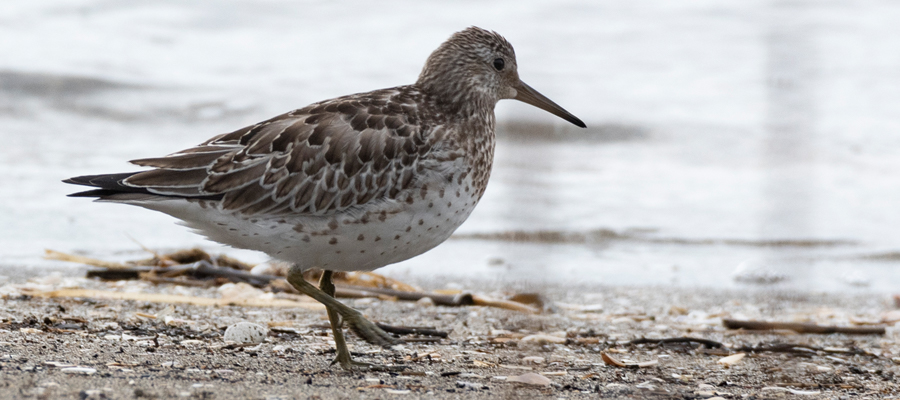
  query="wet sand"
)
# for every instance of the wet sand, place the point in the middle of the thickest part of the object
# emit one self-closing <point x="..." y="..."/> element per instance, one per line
<point x="92" y="348"/>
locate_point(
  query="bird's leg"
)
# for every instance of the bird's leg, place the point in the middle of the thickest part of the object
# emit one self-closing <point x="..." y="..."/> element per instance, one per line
<point x="343" y="353"/>
<point x="339" y="313"/>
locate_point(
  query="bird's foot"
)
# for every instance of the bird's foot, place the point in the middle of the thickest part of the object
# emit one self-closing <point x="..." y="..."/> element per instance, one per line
<point x="369" y="331"/>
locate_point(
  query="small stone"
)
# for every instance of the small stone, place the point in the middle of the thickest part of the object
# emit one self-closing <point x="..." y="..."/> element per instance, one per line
<point x="425" y="302"/>
<point x="79" y="370"/>
<point x="533" y="360"/>
<point x="732" y="359"/>
<point x="91" y="394"/>
<point x="280" y="348"/>
<point x="246" y="333"/>
<point x="543" y="339"/>
<point x="530" y="379"/>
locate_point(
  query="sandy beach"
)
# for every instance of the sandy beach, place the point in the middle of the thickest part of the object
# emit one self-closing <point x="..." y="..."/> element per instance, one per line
<point x="95" y="348"/>
<point x="739" y="163"/>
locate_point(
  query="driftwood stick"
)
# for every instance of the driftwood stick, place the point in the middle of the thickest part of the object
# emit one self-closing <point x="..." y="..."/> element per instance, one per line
<point x="412" y="330"/>
<point x="174" y="281"/>
<point x="801" y="349"/>
<point x="118" y="274"/>
<point x="712" y="344"/>
<point x="423" y="339"/>
<point x="205" y="269"/>
<point x="462" y="299"/>
<point x="802" y="327"/>
<point x="198" y="270"/>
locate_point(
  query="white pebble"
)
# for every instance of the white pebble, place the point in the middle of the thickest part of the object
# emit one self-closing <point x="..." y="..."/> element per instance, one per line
<point x="541" y="339"/>
<point x="425" y="302"/>
<point x="79" y="370"/>
<point x="530" y="379"/>
<point x="246" y="333"/>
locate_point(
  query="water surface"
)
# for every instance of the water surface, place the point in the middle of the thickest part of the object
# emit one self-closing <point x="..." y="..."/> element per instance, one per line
<point x="728" y="142"/>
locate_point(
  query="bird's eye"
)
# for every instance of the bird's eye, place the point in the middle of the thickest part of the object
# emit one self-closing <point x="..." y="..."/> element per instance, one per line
<point x="498" y="64"/>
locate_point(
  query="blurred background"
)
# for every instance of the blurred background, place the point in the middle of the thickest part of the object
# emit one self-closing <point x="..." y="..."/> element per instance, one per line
<point x="730" y="144"/>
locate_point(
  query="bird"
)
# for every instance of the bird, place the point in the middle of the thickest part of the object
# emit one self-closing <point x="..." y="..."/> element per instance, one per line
<point x="353" y="183"/>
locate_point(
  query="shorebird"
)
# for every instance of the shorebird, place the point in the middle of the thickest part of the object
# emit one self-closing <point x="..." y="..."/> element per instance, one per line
<point x="348" y="184"/>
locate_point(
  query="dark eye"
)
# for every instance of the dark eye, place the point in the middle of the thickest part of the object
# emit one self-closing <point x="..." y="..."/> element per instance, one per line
<point x="499" y="64"/>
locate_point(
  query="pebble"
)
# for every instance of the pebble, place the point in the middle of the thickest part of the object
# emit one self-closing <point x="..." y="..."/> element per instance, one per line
<point x="91" y="394"/>
<point x="543" y="339"/>
<point x="79" y="370"/>
<point x="246" y="333"/>
<point x="732" y="359"/>
<point x="467" y="385"/>
<point x="530" y="379"/>
<point x="425" y="302"/>
<point x="533" y="360"/>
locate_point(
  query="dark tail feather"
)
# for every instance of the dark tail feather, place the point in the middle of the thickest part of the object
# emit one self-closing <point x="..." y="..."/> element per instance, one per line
<point x="106" y="184"/>
<point x="112" y="184"/>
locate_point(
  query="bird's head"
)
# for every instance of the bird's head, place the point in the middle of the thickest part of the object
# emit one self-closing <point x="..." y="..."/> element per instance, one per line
<point x="479" y="66"/>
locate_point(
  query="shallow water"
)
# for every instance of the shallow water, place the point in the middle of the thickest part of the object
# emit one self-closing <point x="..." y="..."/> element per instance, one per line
<point x="728" y="142"/>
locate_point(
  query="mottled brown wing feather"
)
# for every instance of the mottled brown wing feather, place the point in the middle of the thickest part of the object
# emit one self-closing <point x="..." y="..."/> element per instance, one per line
<point x="324" y="158"/>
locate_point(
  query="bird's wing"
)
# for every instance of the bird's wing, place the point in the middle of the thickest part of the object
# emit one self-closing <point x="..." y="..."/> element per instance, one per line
<point x="321" y="159"/>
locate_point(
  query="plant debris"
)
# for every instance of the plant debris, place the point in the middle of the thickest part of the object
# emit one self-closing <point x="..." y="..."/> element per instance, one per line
<point x="802" y="327"/>
<point x="152" y="338"/>
<point x="197" y="268"/>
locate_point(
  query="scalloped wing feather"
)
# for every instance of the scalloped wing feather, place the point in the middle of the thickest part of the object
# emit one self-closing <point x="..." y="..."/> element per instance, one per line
<point x="325" y="158"/>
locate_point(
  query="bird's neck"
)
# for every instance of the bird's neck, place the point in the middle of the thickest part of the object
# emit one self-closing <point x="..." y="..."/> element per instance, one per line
<point x="463" y="105"/>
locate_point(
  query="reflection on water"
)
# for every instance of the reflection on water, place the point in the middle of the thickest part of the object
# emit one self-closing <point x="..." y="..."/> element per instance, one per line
<point x="758" y="139"/>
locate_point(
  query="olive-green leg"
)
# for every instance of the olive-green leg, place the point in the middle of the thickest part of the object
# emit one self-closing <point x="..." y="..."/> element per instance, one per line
<point x="338" y="313"/>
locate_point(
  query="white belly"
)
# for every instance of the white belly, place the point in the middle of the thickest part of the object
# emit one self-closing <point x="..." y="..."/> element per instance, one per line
<point x="359" y="240"/>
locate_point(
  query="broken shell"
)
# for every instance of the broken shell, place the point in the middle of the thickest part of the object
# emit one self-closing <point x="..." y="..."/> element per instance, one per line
<point x="610" y="360"/>
<point x="246" y="333"/>
<point x="732" y="359"/>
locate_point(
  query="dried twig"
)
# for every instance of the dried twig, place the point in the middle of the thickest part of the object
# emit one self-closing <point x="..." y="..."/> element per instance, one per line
<point x="610" y="360"/>
<point x="180" y="282"/>
<point x="198" y="264"/>
<point x="801" y="327"/>
<point x="412" y="330"/>
<point x="712" y="344"/>
<point x="56" y="255"/>
<point x="507" y="304"/>
<point x="462" y="299"/>
<point x="798" y="349"/>
<point x="423" y="339"/>
<point x="171" y="298"/>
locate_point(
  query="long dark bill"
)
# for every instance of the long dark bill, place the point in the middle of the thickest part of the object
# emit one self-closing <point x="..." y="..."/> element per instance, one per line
<point x="527" y="94"/>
